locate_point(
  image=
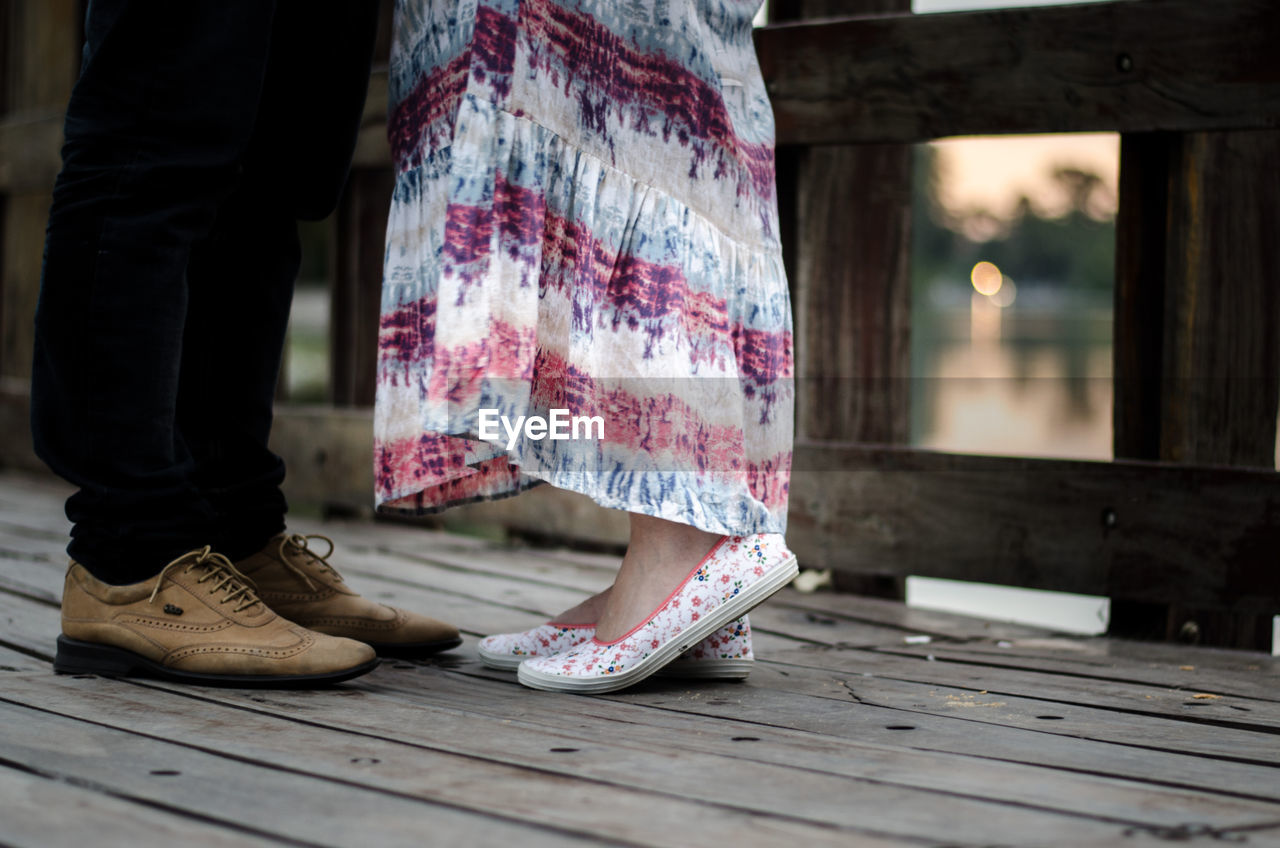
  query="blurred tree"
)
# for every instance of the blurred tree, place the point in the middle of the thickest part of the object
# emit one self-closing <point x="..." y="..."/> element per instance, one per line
<point x="1072" y="250"/>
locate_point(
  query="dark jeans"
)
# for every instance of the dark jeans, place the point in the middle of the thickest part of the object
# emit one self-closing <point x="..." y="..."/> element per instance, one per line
<point x="199" y="132"/>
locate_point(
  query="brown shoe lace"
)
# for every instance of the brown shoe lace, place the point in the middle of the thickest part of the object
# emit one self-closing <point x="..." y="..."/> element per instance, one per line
<point x="218" y="569"/>
<point x="300" y="544"/>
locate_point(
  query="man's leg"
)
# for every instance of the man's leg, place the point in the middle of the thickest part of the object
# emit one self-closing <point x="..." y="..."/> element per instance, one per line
<point x="241" y="285"/>
<point x="156" y="129"/>
<point x="242" y="275"/>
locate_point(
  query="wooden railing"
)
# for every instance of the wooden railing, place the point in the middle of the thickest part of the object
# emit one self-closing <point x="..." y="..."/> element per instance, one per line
<point x="1182" y="531"/>
<point x="1186" y="541"/>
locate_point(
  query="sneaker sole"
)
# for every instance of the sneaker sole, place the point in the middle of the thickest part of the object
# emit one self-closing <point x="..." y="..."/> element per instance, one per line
<point x="735" y="607"/>
<point x="76" y="657"/>
<point x="737" y="669"/>
<point x="707" y="669"/>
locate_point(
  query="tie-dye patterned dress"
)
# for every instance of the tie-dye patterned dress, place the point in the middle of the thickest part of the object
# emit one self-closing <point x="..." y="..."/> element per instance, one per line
<point x="584" y="220"/>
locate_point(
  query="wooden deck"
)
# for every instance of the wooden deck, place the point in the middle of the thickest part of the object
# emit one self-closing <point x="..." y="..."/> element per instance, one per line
<point x="847" y="733"/>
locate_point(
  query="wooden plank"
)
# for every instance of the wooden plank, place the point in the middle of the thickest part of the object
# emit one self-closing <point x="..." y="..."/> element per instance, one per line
<point x="1179" y="697"/>
<point x="921" y="716"/>
<point x="29" y="626"/>
<point x="1209" y="727"/>
<point x="38" y="810"/>
<point x="245" y="793"/>
<point x="880" y="683"/>
<point x="1094" y="659"/>
<point x="419" y="754"/>
<point x="16" y="662"/>
<point x="787" y="774"/>
<point x="1061" y="525"/>
<point x="841" y="682"/>
<point x="658" y="729"/>
<point x="1076" y="720"/>
<point x="1124" y="66"/>
<point x="801" y="704"/>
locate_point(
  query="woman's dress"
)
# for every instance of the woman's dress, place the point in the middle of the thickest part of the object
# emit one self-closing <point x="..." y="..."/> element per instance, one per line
<point x="584" y="220"/>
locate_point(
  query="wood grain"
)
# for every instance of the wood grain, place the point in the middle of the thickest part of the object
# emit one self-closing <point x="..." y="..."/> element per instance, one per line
<point x="1041" y="740"/>
<point x="1124" y="66"/>
<point x="1089" y="527"/>
<point x="356" y="295"/>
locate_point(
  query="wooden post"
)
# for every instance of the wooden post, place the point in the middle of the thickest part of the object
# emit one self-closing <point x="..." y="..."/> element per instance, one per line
<point x="847" y="213"/>
<point x="358" y="244"/>
<point x="1197" y="354"/>
<point x="357" y="285"/>
<point x="42" y="59"/>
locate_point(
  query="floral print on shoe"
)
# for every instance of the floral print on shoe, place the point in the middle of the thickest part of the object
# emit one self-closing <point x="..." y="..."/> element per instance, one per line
<point x="507" y="650"/>
<point x="736" y="575"/>
<point x="724" y="655"/>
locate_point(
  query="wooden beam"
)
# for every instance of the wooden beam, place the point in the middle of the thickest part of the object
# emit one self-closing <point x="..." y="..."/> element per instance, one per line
<point x="846" y="225"/>
<point x="1153" y="532"/>
<point x="1201" y="536"/>
<point x="853" y="293"/>
<point x="849" y="211"/>
<point x="900" y="78"/>
<point x="1129" y="66"/>
<point x="1221" y="374"/>
<point x="1138" y="317"/>
<point x="1197" y="357"/>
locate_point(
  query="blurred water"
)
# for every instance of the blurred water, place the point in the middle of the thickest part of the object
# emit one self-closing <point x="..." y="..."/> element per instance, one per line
<point x="1033" y="379"/>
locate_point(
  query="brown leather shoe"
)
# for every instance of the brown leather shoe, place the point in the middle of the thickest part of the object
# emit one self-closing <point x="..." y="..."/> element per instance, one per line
<point x="197" y="621"/>
<point x="303" y="586"/>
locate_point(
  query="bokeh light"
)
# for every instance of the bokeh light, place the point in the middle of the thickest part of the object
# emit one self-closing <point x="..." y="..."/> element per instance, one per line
<point x="1005" y="296"/>
<point x="986" y="278"/>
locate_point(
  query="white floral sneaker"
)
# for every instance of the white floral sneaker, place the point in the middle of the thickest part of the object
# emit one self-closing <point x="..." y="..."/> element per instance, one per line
<point x="736" y="575"/>
<point x="724" y="655"/>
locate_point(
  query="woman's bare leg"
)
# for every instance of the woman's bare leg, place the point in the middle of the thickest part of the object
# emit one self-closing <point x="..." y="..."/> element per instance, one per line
<point x="587" y="612"/>
<point x="660" y="554"/>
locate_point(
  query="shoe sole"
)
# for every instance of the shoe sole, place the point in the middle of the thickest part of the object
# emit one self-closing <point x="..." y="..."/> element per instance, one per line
<point x="707" y="669"/>
<point x="735" y="607"/>
<point x="737" y="669"/>
<point x="76" y="657"/>
<point x="415" y="650"/>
